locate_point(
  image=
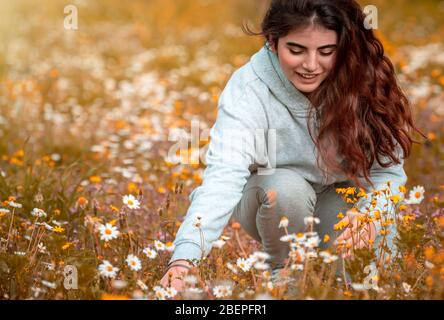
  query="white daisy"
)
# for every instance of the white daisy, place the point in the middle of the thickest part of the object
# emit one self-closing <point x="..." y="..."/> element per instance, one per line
<point x="131" y="202"/>
<point x="160" y="293"/>
<point x="288" y="238"/>
<point x="190" y="279"/>
<point x="222" y="291"/>
<point x="297" y="267"/>
<point x="170" y="292"/>
<point x="4" y="211"/>
<point x="160" y="246"/>
<point x="194" y="290"/>
<point x="119" y="284"/>
<point x="244" y="264"/>
<point x="311" y="254"/>
<point x="261" y="256"/>
<point x="49" y="284"/>
<point x="108" y="232"/>
<point x="142" y="285"/>
<point x="39" y="213"/>
<point x="232" y="267"/>
<point x="283" y="223"/>
<point x="14" y="204"/>
<point x="133" y="262"/>
<point x="328" y="257"/>
<point x="261" y="266"/>
<point x="406" y="287"/>
<point x="150" y="253"/>
<point x="416" y="195"/>
<point x="358" y="287"/>
<point x="312" y="242"/>
<point x="169" y="246"/>
<point x="218" y="243"/>
<point x="107" y="270"/>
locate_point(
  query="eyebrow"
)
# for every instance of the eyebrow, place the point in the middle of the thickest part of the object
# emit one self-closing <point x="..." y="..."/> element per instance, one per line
<point x="297" y="45"/>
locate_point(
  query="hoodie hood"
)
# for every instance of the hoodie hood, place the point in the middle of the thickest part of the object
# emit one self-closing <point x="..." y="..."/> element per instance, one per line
<point x="265" y="64"/>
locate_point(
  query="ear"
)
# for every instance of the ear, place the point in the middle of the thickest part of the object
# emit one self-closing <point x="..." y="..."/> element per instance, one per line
<point x="273" y="47"/>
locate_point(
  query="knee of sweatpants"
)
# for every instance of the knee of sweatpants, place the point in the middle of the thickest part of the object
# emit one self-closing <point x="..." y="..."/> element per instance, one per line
<point x="286" y="193"/>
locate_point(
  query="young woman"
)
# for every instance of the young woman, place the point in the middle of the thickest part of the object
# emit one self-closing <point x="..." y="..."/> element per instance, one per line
<point x="324" y="92"/>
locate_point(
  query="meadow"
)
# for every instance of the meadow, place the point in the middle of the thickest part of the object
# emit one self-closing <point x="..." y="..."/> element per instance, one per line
<point x="85" y="184"/>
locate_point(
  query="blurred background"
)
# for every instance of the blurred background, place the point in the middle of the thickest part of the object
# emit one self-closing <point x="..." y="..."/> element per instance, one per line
<point x="147" y="66"/>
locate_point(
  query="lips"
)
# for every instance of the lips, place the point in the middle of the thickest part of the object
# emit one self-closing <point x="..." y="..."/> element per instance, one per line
<point x="307" y="75"/>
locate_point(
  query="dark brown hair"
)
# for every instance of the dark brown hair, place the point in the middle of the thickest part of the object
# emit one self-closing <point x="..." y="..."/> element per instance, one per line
<point x="363" y="113"/>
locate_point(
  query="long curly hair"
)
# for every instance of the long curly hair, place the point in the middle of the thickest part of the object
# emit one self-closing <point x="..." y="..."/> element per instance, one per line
<point x="362" y="113"/>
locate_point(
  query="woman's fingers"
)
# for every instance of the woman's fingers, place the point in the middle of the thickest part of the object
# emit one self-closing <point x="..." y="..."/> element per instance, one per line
<point x="364" y="239"/>
<point x="174" y="278"/>
<point x="345" y="234"/>
<point x="348" y="229"/>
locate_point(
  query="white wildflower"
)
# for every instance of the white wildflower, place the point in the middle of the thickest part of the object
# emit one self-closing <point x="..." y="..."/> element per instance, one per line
<point x="108" y="232"/>
<point x="222" y="291"/>
<point x="160" y="246"/>
<point x="311" y="220"/>
<point x="218" y="243"/>
<point x="131" y="202"/>
<point x="244" y="264"/>
<point x="283" y="223"/>
<point x="150" y="253"/>
<point x="107" y="270"/>
<point x="39" y="213"/>
<point x="416" y="195"/>
<point x="133" y="262"/>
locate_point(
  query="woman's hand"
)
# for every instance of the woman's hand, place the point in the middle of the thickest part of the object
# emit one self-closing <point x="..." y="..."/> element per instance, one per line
<point x="174" y="276"/>
<point x="357" y="234"/>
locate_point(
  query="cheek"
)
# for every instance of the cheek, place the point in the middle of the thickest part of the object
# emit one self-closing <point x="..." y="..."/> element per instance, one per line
<point x="290" y="62"/>
<point x="328" y="63"/>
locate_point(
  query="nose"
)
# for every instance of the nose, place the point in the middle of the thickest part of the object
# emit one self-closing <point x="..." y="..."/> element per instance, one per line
<point x="310" y="63"/>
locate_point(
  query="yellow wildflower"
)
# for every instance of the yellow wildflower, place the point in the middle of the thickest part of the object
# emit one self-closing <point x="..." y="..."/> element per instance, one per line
<point x="58" y="229"/>
<point x="67" y="245"/>
<point x="95" y="179"/>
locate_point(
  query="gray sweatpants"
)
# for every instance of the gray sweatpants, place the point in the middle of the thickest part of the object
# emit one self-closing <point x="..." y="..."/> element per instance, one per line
<point x="267" y="198"/>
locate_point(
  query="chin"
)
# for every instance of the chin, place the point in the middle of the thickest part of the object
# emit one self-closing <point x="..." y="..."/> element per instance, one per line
<point x="305" y="88"/>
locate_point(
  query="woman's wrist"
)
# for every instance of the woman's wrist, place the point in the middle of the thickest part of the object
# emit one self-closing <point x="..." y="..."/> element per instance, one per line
<point x="181" y="263"/>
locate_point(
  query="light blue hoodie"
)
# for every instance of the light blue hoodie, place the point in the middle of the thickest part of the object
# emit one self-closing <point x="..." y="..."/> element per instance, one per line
<point x="258" y="97"/>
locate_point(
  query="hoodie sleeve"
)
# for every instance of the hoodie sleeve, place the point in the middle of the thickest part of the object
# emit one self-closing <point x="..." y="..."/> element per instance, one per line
<point x="380" y="176"/>
<point x="229" y="155"/>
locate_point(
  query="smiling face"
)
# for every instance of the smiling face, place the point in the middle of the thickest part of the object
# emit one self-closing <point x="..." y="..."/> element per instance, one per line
<point x="307" y="55"/>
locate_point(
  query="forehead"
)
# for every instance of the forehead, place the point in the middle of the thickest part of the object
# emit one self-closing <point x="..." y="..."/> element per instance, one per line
<point x="311" y="36"/>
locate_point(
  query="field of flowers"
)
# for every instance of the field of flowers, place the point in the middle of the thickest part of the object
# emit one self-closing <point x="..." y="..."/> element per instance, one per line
<point x="85" y="188"/>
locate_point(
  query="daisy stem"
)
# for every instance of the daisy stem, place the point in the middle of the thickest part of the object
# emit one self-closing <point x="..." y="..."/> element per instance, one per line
<point x="32" y="234"/>
<point x="236" y="234"/>
<point x="343" y="273"/>
<point x="10" y="227"/>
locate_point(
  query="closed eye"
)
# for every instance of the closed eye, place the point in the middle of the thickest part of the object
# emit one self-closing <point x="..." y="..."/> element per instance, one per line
<point x="296" y="52"/>
<point x="325" y="54"/>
